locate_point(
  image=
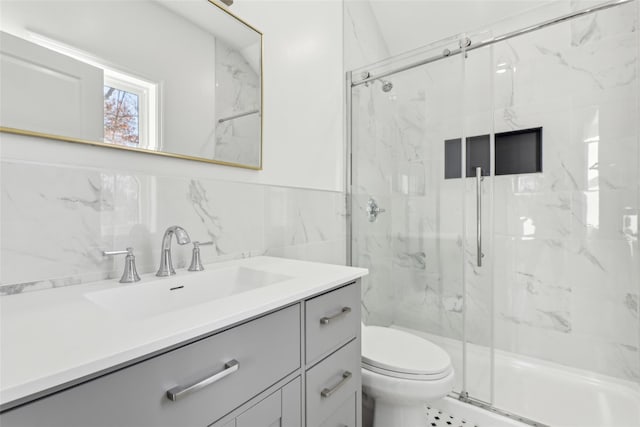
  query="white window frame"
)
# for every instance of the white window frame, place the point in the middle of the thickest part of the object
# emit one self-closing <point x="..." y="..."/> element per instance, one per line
<point x="147" y="104"/>
<point x="147" y="91"/>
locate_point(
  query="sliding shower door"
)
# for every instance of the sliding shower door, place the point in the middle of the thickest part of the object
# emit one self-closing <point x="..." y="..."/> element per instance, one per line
<point x="478" y="220"/>
<point x="495" y="190"/>
<point x="410" y="200"/>
<point x="566" y="226"/>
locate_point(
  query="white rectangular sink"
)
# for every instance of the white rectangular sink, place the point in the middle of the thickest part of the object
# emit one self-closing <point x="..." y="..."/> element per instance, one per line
<point x="186" y="289"/>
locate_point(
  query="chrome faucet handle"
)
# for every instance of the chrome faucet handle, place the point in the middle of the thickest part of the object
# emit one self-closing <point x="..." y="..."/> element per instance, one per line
<point x="130" y="274"/>
<point x="196" y="262"/>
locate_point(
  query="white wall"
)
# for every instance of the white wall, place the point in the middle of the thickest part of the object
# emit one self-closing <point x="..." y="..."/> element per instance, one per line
<point x="303" y="90"/>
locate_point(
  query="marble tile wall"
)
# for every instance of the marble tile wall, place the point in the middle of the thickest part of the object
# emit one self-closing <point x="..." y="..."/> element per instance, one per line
<point x="561" y="279"/>
<point x="56" y="221"/>
<point x="567" y="239"/>
<point x="237" y="92"/>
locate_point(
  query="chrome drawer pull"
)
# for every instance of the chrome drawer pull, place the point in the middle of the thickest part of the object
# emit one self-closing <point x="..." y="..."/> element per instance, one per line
<point x="327" y="320"/>
<point x="327" y="392"/>
<point x="181" y="391"/>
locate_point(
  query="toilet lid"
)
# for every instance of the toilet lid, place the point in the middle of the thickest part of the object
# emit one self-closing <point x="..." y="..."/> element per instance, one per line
<point x="398" y="351"/>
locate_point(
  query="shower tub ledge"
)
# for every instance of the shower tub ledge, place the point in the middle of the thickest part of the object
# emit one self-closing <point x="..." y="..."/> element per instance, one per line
<point x="546" y="392"/>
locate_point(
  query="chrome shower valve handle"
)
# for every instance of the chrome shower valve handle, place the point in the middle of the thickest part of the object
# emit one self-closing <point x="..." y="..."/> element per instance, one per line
<point x="373" y="210"/>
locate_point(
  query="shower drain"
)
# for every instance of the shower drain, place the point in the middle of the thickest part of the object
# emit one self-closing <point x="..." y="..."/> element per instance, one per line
<point x="437" y="418"/>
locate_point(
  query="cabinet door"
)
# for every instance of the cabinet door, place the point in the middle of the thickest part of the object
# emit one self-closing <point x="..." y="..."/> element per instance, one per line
<point x="345" y="416"/>
<point x="267" y="413"/>
<point x="281" y="409"/>
<point x="292" y="404"/>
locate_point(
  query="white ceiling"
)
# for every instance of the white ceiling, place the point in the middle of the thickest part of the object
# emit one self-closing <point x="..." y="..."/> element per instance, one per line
<point x="410" y="24"/>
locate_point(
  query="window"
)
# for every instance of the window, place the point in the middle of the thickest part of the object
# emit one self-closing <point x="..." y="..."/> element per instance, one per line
<point x="121" y="117"/>
<point x="129" y="111"/>
<point x="131" y="107"/>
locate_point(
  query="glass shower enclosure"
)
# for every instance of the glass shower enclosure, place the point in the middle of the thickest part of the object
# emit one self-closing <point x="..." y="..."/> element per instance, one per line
<point x="494" y="193"/>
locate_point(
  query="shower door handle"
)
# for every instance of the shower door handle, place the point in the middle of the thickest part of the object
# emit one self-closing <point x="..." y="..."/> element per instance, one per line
<point x="479" y="215"/>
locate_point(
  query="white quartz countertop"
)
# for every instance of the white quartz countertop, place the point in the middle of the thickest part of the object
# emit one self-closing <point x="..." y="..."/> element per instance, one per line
<point x="55" y="337"/>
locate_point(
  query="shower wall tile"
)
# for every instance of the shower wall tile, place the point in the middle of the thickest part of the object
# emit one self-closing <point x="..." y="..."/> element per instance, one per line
<point x="57" y="220"/>
<point x="371" y="247"/>
<point x="580" y="351"/>
<point x="562" y="269"/>
<point x="566" y="239"/>
<point x="378" y="291"/>
<point x="605" y="215"/>
<point x="363" y="39"/>
<point x="237" y="91"/>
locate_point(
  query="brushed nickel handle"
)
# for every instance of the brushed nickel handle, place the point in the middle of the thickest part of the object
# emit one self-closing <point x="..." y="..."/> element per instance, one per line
<point x="196" y="261"/>
<point x="130" y="274"/>
<point x="327" y="392"/>
<point x="110" y="253"/>
<point x="479" y="215"/>
<point x="179" y="392"/>
<point x="327" y="320"/>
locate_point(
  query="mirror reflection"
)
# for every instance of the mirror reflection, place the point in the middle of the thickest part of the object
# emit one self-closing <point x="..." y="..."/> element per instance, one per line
<point x="181" y="78"/>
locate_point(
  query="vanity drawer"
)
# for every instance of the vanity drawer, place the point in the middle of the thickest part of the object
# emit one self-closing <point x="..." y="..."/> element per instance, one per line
<point x="332" y="319"/>
<point x="266" y="349"/>
<point x="345" y="416"/>
<point x="331" y="382"/>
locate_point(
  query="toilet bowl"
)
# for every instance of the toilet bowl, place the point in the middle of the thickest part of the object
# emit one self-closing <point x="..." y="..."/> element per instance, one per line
<point x="402" y="372"/>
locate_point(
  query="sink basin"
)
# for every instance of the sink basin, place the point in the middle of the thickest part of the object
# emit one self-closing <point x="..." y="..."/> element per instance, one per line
<point x="186" y="289"/>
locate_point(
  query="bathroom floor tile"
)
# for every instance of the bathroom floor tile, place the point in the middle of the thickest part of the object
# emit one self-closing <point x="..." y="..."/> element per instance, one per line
<point x="437" y="418"/>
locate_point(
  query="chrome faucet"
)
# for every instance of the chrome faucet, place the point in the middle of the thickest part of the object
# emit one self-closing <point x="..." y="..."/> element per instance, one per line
<point x="166" y="266"/>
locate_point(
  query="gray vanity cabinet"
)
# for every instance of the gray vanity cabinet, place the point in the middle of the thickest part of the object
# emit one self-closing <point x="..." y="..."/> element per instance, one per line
<point x="333" y="348"/>
<point x="299" y="365"/>
<point x="267" y="413"/>
<point x="137" y="395"/>
<point x="279" y="409"/>
<point x="344" y="416"/>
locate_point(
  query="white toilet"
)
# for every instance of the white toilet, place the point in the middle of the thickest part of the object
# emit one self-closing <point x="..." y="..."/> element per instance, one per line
<point x="402" y="372"/>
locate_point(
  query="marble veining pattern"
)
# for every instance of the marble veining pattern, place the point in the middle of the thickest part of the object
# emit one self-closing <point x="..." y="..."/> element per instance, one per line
<point x="561" y="247"/>
<point x="75" y="213"/>
<point x="237" y="92"/>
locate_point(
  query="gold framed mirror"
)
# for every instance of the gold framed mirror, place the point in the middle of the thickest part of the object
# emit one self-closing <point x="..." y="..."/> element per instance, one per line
<point x="174" y="78"/>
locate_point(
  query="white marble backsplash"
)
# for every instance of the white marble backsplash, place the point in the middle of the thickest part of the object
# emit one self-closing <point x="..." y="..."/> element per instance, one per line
<point x="561" y="275"/>
<point x="57" y="220"/>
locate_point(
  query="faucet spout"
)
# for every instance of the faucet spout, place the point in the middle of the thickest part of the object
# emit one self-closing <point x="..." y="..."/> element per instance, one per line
<point x="182" y="237"/>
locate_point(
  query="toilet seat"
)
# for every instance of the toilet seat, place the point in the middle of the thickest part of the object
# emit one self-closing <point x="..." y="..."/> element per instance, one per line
<point x="398" y="354"/>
